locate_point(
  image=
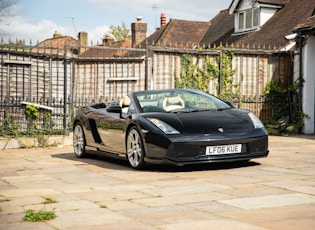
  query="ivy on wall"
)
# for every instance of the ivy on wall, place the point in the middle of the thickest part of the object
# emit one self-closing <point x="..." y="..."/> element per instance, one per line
<point x="192" y="75"/>
<point x="198" y="71"/>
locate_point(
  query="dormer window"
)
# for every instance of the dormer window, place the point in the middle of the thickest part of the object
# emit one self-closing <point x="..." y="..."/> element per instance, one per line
<point x="251" y="15"/>
<point x="248" y="20"/>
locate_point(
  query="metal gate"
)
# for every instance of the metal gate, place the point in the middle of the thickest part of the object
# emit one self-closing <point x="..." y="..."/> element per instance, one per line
<point x="42" y="86"/>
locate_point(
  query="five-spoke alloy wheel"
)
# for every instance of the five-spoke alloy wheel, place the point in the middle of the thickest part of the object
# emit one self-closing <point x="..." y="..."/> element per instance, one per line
<point x="135" y="151"/>
<point x="79" y="141"/>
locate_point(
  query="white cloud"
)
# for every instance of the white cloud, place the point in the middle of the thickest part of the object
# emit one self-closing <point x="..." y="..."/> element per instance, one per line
<point x="190" y="10"/>
<point x="95" y="34"/>
<point x="114" y="5"/>
<point x="18" y="28"/>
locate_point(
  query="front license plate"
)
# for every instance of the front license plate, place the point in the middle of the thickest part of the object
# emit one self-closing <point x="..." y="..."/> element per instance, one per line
<point x="223" y="149"/>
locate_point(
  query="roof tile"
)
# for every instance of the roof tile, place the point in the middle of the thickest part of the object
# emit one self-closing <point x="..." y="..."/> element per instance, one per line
<point x="272" y="33"/>
<point x="308" y="24"/>
<point x="179" y="34"/>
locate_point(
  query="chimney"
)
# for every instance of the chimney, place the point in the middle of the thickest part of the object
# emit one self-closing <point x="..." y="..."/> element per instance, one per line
<point x="83" y="38"/>
<point x="83" y="41"/>
<point x="163" y="20"/>
<point x="57" y="35"/>
<point x="139" y="31"/>
<point x="107" y="39"/>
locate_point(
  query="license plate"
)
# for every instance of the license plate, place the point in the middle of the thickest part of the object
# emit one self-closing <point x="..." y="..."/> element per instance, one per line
<point x="223" y="149"/>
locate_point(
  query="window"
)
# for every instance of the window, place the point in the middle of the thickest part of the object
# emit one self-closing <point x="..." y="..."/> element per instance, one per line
<point x="248" y="19"/>
<point x="256" y="17"/>
<point x="241" y="21"/>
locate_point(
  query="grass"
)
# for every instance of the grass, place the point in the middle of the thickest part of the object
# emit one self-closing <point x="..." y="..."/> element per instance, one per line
<point x="36" y="216"/>
<point x="41" y="215"/>
<point x="48" y="200"/>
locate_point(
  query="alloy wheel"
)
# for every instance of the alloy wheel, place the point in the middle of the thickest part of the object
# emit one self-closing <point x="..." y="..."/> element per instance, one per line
<point x="78" y="141"/>
<point x="135" y="152"/>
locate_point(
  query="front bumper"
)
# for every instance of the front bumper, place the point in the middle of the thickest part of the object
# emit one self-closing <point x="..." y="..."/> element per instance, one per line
<point x="194" y="152"/>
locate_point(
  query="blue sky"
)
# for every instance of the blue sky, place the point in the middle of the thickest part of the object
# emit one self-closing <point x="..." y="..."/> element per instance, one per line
<point x="37" y="20"/>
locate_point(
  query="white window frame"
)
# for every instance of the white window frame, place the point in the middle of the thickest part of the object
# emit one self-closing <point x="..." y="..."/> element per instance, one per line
<point x="243" y="24"/>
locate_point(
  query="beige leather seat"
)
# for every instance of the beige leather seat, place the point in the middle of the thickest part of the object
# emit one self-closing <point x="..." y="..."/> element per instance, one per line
<point x="171" y="103"/>
<point x="124" y="104"/>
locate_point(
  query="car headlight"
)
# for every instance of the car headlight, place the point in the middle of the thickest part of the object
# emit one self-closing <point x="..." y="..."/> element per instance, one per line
<point x="167" y="129"/>
<point x="256" y="122"/>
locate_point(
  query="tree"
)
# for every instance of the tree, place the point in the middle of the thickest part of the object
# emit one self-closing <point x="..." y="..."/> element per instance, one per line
<point x="17" y="43"/>
<point x="5" y="6"/>
<point x="118" y="32"/>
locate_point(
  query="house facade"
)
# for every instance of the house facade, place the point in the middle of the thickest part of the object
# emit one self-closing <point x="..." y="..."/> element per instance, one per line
<point x="308" y="66"/>
<point x="287" y="25"/>
<point x="303" y="39"/>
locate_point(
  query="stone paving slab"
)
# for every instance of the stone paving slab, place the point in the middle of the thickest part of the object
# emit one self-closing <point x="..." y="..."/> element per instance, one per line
<point x="259" y="202"/>
<point x="221" y="224"/>
<point x="285" y="217"/>
<point x="277" y="192"/>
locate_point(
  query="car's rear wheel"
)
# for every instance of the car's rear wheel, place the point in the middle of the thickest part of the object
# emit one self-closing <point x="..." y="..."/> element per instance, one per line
<point x="135" y="150"/>
<point x="79" y="141"/>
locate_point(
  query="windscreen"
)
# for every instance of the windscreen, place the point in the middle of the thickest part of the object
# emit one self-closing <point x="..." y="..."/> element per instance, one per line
<point x="178" y="100"/>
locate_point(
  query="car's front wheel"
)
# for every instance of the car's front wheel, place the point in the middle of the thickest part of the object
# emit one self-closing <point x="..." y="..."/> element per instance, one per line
<point x="78" y="141"/>
<point x="135" y="149"/>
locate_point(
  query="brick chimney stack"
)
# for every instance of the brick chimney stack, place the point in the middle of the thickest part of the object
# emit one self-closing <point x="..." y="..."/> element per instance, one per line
<point x="57" y="35"/>
<point x="107" y="39"/>
<point x="163" y="20"/>
<point x="83" y="38"/>
<point x="139" y="31"/>
<point x="83" y="41"/>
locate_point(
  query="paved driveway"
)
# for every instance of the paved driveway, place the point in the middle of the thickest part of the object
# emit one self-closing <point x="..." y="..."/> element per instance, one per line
<point x="277" y="192"/>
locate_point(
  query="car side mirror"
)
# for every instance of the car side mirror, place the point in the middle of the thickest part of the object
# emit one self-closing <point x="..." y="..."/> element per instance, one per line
<point x="230" y="103"/>
<point x="114" y="109"/>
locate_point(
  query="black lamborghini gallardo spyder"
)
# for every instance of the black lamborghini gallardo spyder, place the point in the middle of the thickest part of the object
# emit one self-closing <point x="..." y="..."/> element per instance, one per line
<point x="176" y="126"/>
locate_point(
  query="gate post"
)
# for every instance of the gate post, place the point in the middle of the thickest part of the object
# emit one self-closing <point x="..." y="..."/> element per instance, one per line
<point x="220" y="73"/>
<point x="146" y="66"/>
<point x="65" y="93"/>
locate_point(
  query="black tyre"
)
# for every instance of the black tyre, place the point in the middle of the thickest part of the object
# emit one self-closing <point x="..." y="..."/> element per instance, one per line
<point x="134" y="149"/>
<point x="79" y="141"/>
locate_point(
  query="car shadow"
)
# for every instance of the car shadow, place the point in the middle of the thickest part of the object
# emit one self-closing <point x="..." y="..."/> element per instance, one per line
<point x="202" y="167"/>
<point x="120" y="164"/>
<point x="96" y="160"/>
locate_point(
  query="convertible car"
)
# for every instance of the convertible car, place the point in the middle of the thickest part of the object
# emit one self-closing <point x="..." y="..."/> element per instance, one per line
<point x="176" y="126"/>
